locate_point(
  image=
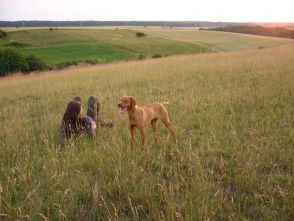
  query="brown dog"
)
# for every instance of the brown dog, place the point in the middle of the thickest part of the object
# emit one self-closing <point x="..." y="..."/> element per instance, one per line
<point x="140" y="116"/>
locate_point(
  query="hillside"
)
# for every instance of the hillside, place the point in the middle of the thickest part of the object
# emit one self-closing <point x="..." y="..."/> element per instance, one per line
<point x="218" y="41"/>
<point x="234" y="160"/>
<point x="104" y="45"/>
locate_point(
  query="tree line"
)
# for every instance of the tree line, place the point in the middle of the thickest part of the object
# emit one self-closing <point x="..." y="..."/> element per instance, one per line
<point x="113" y="23"/>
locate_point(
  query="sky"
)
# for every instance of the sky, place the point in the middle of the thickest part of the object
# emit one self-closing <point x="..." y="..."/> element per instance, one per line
<point x="149" y="10"/>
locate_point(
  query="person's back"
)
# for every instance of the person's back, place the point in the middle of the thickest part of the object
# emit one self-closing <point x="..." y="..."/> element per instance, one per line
<point x="70" y="124"/>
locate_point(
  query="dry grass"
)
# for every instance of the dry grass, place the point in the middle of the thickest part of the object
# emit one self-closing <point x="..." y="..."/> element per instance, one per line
<point x="233" y="113"/>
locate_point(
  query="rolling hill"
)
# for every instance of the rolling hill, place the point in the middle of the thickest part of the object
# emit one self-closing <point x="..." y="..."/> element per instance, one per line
<point x="105" y="45"/>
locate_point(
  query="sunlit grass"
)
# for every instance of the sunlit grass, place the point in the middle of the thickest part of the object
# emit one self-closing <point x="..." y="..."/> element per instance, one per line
<point x="233" y="114"/>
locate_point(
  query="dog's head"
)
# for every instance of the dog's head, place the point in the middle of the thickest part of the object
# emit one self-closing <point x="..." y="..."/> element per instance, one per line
<point x="126" y="103"/>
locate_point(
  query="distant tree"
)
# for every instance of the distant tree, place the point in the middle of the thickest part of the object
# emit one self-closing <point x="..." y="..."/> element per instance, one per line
<point x="140" y="34"/>
<point x="2" y="34"/>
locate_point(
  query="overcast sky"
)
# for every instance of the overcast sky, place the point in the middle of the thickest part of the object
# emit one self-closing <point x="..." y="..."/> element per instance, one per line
<point x="182" y="10"/>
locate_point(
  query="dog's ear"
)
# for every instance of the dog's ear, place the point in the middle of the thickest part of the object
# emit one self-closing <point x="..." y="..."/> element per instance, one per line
<point x="133" y="102"/>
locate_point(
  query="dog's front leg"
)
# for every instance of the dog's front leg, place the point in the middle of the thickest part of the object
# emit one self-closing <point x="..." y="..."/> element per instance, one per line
<point x="143" y="137"/>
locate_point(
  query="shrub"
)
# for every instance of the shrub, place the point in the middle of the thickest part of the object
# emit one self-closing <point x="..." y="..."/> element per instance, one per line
<point x="92" y="61"/>
<point x="157" y="56"/>
<point x="35" y="64"/>
<point x="2" y="34"/>
<point x="66" y="64"/>
<point x="140" y="34"/>
<point x="12" y="61"/>
<point x="141" y="57"/>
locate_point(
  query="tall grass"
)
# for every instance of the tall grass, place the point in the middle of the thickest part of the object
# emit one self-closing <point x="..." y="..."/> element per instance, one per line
<point x="233" y="114"/>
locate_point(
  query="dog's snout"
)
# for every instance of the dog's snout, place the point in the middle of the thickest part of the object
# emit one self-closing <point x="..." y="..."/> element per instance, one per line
<point x="119" y="104"/>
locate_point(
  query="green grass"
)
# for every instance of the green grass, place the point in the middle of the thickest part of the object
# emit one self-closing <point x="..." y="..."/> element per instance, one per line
<point x="234" y="160"/>
<point x="79" y="52"/>
<point x="109" y="45"/>
<point x="106" y="45"/>
<point x="218" y="41"/>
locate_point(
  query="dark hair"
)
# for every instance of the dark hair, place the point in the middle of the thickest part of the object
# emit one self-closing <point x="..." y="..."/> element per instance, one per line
<point x="71" y="118"/>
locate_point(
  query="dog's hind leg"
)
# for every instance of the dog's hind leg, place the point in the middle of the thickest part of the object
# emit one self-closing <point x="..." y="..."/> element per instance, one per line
<point x="166" y="121"/>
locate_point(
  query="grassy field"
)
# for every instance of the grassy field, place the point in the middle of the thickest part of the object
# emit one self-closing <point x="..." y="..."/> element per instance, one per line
<point x="217" y="41"/>
<point x="234" y="160"/>
<point x="104" y="45"/>
<point x="107" y="45"/>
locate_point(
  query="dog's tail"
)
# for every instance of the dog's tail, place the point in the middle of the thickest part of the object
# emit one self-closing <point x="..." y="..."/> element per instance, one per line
<point x="165" y="103"/>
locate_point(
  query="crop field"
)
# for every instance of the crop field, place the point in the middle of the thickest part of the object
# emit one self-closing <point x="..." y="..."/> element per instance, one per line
<point x="233" y="116"/>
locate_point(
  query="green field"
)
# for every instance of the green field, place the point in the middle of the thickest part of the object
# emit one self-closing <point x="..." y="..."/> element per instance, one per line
<point x="104" y="45"/>
<point x="234" y="160"/>
<point x="114" y="44"/>
<point x="218" y="41"/>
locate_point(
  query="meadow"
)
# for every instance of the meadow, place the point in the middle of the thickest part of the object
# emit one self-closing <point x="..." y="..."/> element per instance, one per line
<point x="234" y="160"/>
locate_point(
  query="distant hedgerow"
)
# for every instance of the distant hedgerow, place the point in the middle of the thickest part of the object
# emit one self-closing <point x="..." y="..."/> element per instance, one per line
<point x="66" y="64"/>
<point x="16" y="44"/>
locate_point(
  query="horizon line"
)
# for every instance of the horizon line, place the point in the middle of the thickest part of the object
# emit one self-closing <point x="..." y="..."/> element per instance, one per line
<point x="73" y="20"/>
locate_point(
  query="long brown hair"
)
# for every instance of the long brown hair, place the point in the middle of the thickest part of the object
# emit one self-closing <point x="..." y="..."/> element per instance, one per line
<point x="71" y="118"/>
